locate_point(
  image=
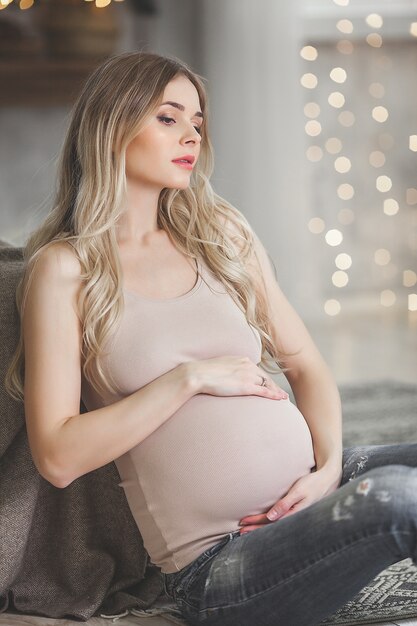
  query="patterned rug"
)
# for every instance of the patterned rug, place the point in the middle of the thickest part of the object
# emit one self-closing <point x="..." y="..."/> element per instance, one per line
<point x="382" y="412"/>
<point x="379" y="412"/>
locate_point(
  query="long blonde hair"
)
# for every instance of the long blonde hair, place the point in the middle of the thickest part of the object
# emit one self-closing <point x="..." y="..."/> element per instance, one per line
<point x="111" y="109"/>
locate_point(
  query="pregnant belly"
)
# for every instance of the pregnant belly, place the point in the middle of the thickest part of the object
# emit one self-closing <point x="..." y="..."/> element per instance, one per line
<point x="221" y="458"/>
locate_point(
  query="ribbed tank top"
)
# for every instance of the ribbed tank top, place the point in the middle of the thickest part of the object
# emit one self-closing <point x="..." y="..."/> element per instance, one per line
<point x="217" y="458"/>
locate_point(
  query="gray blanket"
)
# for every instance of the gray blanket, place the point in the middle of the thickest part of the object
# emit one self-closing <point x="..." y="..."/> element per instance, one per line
<point x="73" y="552"/>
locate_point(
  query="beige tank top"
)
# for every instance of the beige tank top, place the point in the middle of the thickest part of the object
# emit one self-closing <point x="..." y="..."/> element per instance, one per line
<point x="216" y="459"/>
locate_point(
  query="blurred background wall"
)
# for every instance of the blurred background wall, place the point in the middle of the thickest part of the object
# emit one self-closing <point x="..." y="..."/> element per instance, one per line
<point x="314" y="125"/>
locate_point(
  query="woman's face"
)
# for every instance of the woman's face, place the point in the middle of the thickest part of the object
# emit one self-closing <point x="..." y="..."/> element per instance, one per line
<point x="171" y="133"/>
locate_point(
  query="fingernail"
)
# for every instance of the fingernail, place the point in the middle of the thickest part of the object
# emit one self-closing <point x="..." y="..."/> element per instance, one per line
<point x="272" y="515"/>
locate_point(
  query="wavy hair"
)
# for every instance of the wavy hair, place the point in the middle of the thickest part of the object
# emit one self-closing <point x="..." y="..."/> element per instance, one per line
<point x="111" y="109"/>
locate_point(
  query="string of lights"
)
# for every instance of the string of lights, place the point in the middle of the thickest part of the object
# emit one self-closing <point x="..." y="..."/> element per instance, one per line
<point x="141" y="6"/>
<point x="27" y="4"/>
<point x="342" y="163"/>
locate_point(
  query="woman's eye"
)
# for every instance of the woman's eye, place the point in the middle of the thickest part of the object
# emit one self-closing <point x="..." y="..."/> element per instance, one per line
<point x="164" y="119"/>
<point x="167" y="120"/>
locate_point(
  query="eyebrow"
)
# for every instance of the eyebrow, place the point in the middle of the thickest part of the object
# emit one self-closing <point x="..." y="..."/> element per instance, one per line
<point x="181" y="107"/>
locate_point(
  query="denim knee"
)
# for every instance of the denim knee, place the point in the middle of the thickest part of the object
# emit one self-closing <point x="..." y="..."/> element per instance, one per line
<point x="357" y="460"/>
<point x="393" y="492"/>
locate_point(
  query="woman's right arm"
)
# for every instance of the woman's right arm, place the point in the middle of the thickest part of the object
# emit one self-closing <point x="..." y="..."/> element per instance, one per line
<point x="66" y="444"/>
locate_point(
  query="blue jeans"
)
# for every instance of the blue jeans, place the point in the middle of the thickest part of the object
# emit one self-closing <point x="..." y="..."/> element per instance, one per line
<point x="298" y="570"/>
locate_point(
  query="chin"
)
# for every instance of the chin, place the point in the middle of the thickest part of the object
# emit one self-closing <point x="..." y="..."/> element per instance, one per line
<point x="180" y="184"/>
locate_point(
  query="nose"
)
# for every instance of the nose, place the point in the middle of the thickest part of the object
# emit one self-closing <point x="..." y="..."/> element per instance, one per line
<point x="190" y="134"/>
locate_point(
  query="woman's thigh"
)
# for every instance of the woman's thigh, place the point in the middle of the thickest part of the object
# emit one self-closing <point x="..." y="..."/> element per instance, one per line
<point x="299" y="569"/>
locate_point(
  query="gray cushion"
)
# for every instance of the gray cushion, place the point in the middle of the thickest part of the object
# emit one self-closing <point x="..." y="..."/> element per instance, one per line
<point x="11" y="266"/>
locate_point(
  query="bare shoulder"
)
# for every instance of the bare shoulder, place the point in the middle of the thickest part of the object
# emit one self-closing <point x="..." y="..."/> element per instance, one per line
<point x="55" y="273"/>
<point x="58" y="260"/>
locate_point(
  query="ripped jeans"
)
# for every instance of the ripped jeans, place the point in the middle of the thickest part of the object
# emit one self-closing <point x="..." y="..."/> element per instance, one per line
<point x="298" y="570"/>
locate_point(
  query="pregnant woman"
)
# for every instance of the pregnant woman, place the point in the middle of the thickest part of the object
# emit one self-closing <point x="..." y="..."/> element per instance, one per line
<point x="150" y="297"/>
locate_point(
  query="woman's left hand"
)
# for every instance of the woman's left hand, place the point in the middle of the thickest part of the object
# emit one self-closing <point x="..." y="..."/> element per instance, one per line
<point x="306" y="490"/>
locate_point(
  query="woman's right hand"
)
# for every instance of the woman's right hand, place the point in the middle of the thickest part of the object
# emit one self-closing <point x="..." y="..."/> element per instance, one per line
<point x="232" y="376"/>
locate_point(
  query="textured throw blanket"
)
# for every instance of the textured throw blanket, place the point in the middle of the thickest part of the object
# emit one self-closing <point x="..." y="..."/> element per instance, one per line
<point x="73" y="552"/>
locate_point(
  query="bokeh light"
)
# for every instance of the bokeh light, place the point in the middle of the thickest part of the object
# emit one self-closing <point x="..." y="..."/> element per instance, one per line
<point x="338" y="75"/>
<point x="346" y="216"/>
<point x="333" y="145"/>
<point x="376" y="90"/>
<point x="391" y="206"/>
<point x="411" y="196"/>
<point x="332" y="307"/>
<point x="314" y="154"/>
<point x="309" y="53"/>
<point x="413" y="143"/>
<point x="342" y="165"/>
<point x="374" y="40"/>
<point x="346" y="118"/>
<point x="345" y="26"/>
<point x="412" y="302"/>
<point x="340" y="278"/>
<point x="343" y="261"/>
<point x="409" y="278"/>
<point x="309" y="80"/>
<point x="387" y="297"/>
<point x="334" y="237"/>
<point x="374" y="20"/>
<point x="380" y="114"/>
<point x="383" y="183"/>
<point x="336" y="99"/>
<point x="377" y="158"/>
<point x="345" y="191"/>
<point x="344" y="46"/>
<point x="312" y="110"/>
<point x="313" y="128"/>
<point x="316" y="225"/>
<point x="382" y="256"/>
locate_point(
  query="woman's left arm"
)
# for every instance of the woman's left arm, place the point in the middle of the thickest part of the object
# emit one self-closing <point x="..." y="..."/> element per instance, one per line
<point x="314" y="388"/>
<point x="318" y="399"/>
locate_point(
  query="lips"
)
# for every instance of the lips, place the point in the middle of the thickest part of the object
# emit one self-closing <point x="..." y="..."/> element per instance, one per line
<point x="187" y="158"/>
